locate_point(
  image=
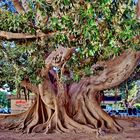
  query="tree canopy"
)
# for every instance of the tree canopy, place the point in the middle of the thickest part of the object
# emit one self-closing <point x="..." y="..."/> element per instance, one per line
<point x="30" y="30"/>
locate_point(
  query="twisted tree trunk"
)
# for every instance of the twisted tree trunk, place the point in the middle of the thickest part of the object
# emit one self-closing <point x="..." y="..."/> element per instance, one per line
<point x="75" y="109"/>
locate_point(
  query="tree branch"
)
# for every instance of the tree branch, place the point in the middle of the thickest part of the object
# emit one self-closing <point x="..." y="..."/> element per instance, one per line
<point x="18" y="6"/>
<point x="29" y="86"/>
<point x="138" y="10"/>
<point x="10" y="35"/>
<point x="115" y="71"/>
<point x="25" y="5"/>
<point x="133" y="99"/>
<point x="40" y="34"/>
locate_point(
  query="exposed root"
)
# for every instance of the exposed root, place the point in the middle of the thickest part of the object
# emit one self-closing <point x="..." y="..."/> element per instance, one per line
<point x="81" y="127"/>
<point x="60" y="128"/>
<point x="91" y="120"/>
<point x="114" y="126"/>
<point x="40" y="119"/>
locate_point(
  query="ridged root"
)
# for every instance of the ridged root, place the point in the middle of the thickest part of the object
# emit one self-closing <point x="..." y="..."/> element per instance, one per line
<point x="40" y="118"/>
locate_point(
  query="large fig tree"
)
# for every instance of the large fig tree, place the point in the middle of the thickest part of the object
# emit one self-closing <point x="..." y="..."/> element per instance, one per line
<point x="67" y="52"/>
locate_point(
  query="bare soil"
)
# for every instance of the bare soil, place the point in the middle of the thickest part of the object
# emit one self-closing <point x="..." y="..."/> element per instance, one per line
<point x="131" y="132"/>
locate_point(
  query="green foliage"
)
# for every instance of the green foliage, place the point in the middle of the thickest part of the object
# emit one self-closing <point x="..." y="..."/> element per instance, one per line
<point x="130" y="90"/>
<point x="3" y="100"/>
<point x="16" y="23"/>
<point x="99" y="29"/>
<point x="19" y="61"/>
<point x="133" y="91"/>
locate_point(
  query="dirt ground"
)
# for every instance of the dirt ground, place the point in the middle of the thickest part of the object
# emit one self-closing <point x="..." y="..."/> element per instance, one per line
<point x="131" y="132"/>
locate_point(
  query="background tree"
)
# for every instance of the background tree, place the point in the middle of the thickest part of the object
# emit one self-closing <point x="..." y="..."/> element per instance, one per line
<point x="86" y="42"/>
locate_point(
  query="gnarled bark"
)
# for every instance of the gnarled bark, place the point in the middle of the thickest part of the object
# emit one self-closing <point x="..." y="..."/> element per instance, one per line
<point x="75" y="109"/>
<point x="116" y="71"/>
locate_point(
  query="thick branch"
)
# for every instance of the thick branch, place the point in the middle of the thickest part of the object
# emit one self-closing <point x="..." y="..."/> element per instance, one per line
<point x="115" y="71"/>
<point x="10" y="35"/>
<point x="59" y="57"/>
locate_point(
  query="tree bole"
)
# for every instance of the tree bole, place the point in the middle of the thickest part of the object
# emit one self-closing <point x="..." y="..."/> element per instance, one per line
<point x="75" y="109"/>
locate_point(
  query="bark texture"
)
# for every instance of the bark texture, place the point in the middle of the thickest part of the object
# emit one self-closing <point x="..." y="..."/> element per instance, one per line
<point x="138" y="10"/>
<point x="75" y="108"/>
